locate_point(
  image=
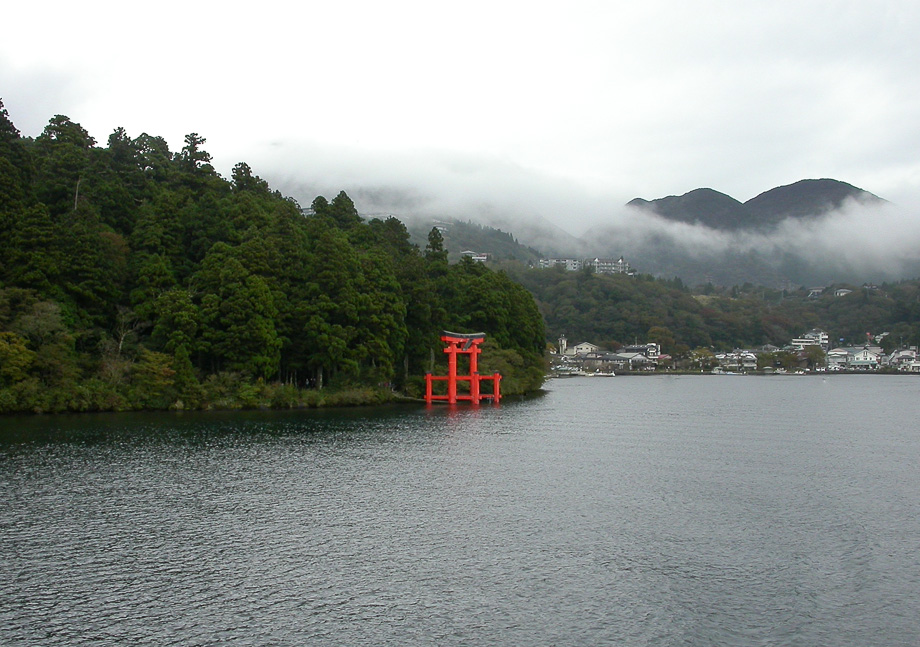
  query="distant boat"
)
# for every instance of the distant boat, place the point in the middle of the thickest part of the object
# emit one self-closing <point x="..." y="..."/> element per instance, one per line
<point x="574" y="372"/>
<point x="565" y="371"/>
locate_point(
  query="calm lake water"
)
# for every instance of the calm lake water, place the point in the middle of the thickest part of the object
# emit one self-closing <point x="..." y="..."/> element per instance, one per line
<point x="629" y="511"/>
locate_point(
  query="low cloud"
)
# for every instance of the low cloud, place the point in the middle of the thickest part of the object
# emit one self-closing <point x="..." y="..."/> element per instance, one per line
<point x="558" y="216"/>
<point x="431" y="183"/>
<point x="858" y="242"/>
<point x="878" y="242"/>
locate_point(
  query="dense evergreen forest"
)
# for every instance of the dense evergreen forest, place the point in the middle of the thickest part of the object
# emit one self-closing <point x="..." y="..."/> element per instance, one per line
<point x="135" y="277"/>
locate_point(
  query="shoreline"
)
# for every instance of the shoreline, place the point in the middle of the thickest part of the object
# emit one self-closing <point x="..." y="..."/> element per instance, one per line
<point x="728" y="374"/>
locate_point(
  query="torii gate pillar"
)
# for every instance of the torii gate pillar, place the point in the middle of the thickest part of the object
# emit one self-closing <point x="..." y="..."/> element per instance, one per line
<point x="470" y="346"/>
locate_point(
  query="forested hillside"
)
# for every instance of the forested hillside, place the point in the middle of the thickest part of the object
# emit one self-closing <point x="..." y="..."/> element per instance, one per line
<point x="132" y="276"/>
<point x="615" y="310"/>
<point x="461" y="236"/>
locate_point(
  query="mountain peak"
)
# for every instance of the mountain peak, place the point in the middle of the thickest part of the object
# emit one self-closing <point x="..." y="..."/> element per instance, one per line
<point x="703" y="206"/>
<point x="802" y="199"/>
<point x="805" y="199"/>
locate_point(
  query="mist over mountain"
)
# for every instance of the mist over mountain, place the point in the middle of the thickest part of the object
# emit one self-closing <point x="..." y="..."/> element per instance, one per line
<point x="497" y="236"/>
<point x="805" y="199"/>
<point x="810" y="233"/>
<point x="461" y="236"/>
<point x="703" y="206"/>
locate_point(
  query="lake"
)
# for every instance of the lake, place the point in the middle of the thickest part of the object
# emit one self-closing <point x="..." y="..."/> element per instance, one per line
<point x="665" y="510"/>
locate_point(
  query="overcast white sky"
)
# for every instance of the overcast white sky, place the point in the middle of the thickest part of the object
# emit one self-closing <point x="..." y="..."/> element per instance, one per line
<point x="560" y="110"/>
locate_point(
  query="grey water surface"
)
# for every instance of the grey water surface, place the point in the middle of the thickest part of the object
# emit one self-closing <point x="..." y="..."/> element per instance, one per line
<point x="663" y="510"/>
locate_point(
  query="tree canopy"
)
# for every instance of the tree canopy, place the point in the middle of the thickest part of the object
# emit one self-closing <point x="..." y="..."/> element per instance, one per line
<point x="135" y="277"/>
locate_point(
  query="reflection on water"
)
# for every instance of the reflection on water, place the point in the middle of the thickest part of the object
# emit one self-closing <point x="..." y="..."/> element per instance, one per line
<point x="639" y="511"/>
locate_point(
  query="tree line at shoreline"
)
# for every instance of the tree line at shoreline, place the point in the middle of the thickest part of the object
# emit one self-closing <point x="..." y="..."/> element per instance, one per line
<point x="135" y="277"/>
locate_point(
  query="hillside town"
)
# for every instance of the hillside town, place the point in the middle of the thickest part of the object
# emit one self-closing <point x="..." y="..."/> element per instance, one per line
<point x="812" y="352"/>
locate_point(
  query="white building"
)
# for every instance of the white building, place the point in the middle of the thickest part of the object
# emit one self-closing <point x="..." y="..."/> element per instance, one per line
<point x="563" y="345"/>
<point x="650" y="350"/>
<point x="738" y="360"/>
<point x="584" y="348"/>
<point x="610" y="266"/>
<point x="479" y="257"/>
<point x="901" y="359"/>
<point x="570" y="264"/>
<point x="837" y="359"/>
<point x="865" y="359"/>
<point x="815" y="337"/>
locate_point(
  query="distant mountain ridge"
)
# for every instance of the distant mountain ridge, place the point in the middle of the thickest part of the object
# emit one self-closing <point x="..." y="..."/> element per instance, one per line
<point x="750" y="247"/>
<point x="802" y="199"/>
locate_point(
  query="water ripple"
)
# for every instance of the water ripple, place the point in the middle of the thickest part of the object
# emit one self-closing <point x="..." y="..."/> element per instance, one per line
<point x="668" y="512"/>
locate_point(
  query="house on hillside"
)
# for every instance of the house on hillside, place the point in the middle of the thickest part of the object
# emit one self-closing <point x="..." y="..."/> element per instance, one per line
<point x="583" y="349"/>
<point x="814" y="337"/>
<point x="570" y="264"/>
<point x="599" y="265"/>
<point x="479" y="257"/>
<point x="610" y="266"/>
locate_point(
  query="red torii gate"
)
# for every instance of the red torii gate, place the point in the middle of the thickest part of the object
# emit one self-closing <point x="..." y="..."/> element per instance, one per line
<point x="470" y="347"/>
